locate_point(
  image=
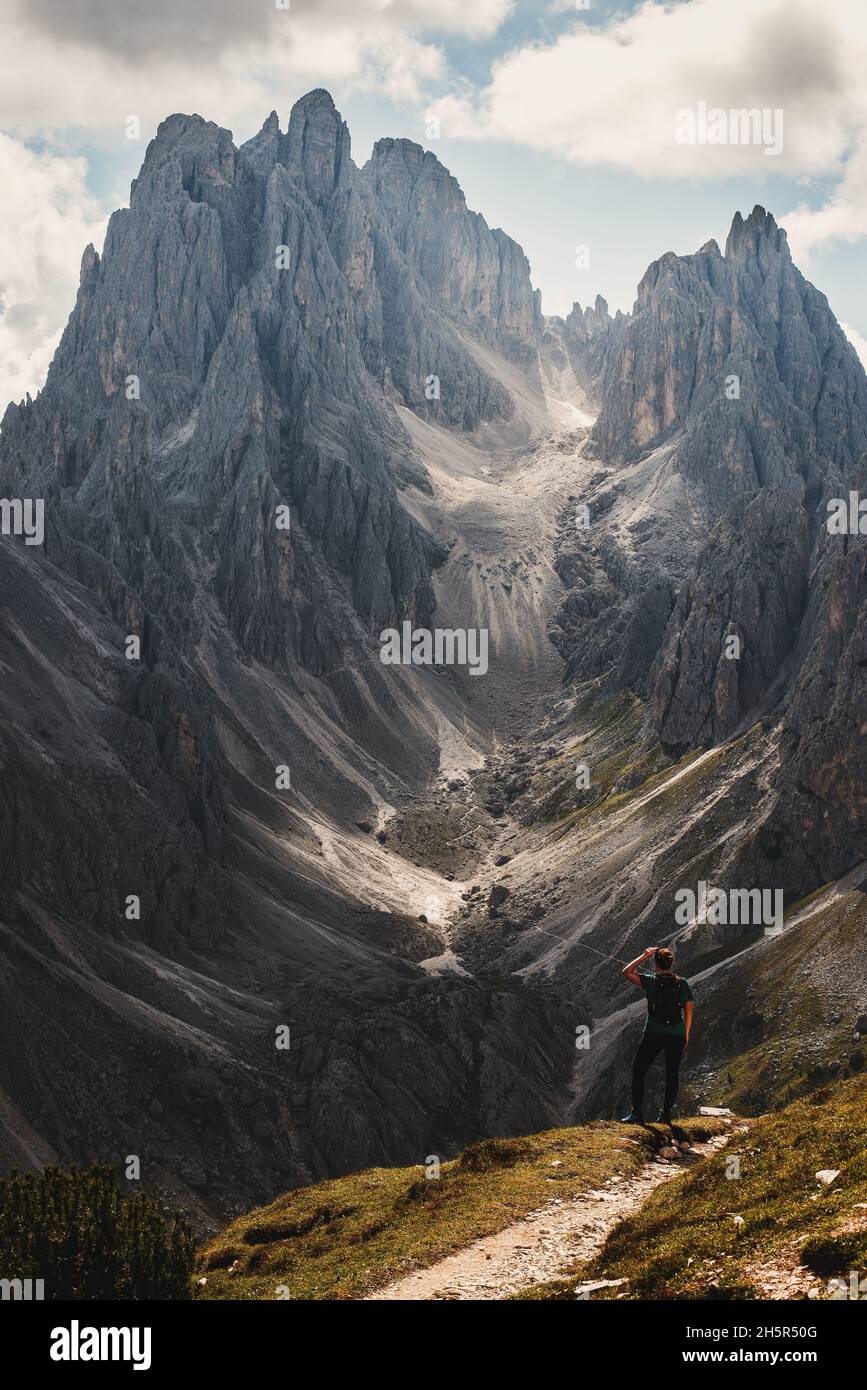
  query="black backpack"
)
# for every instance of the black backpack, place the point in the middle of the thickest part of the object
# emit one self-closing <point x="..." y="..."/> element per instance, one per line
<point x="665" y="1005"/>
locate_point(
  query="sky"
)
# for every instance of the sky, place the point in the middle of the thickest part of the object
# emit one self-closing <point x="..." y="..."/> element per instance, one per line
<point x="590" y="132"/>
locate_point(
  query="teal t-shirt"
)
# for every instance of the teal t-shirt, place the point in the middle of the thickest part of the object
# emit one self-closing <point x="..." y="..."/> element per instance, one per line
<point x="669" y="1030"/>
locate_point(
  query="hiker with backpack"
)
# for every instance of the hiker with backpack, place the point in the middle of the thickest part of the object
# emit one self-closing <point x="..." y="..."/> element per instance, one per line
<point x="666" y="1028"/>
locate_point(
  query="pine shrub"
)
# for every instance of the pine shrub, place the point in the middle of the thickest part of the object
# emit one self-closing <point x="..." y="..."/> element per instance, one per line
<point x="88" y="1240"/>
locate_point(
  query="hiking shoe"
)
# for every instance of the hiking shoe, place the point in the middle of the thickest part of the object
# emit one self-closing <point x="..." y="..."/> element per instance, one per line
<point x="633" y="1118"/>
<point x="663" y="1118"/>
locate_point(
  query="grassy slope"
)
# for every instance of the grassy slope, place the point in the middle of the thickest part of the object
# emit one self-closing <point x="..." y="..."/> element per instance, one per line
<point x="344" y="1237"/>
<point x="608" y="747"/>
<point x="788" y="1216"/>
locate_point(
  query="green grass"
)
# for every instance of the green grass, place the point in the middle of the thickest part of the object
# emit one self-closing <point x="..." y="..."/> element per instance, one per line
<point x="605" y="714"/>
<point x="683" y="1242"/>
<point x="674" y="795"/>
<point x="670" y="798"/>
<point x="346" y="1236"/>
<point x="684" y="789"/>
<point x="610" y="746"/>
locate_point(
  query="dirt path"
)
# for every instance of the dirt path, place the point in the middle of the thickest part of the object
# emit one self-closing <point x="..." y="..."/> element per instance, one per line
<point x="545" y="1244"/>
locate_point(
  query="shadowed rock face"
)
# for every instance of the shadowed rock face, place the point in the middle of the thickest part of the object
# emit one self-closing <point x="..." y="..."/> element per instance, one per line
<point x="591" y="337"/>
<point x="734" y="623"/>
<point x="821" y="815"/>
<point x="240" y="345"/>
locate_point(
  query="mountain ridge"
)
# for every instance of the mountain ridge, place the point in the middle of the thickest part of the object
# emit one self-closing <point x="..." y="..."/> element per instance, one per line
<point x="270" y="326"/>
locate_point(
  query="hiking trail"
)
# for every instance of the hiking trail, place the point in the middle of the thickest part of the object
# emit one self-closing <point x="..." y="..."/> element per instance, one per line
<point x="549" y="1242"/>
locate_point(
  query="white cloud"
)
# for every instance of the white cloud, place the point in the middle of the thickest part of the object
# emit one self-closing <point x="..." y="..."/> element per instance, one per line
<point x="162" y="26"/>
<point x="47" y="217"/>
<point x="88" y="64"/>
<point x="609" y="95"/>
<point x="858" y="342"/>
<point x="843" y="217"/>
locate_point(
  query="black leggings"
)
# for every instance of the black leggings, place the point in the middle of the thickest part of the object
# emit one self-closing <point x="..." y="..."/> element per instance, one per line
<point x="651" y="1046"/>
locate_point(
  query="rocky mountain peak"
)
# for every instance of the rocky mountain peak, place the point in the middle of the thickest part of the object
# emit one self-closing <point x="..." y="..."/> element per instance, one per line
<point x="480" y="274"/>
<point x="189" y="151"/>
<point x="736" y="386"/>
<point x="740" y="362"/>
<point x="757" y="237"/>
<point x="416" y="175"/>
<point x="189" y="138"/>
<point x="595" y="318"/>
<point x="318" y="143"/>
<point x="232" y="485"/>
<point x="89" y="263"/>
